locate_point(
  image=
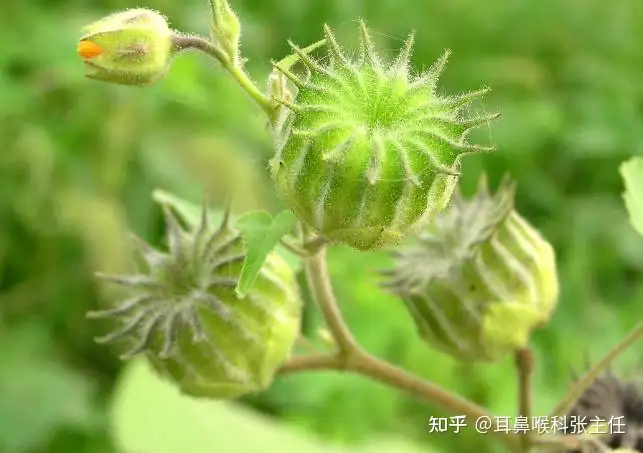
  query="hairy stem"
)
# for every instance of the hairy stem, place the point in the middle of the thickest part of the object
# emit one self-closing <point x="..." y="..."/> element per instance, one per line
<point x="183" y="42"/>
<point x="583" y="384"/>
<point x="524" y="367"/>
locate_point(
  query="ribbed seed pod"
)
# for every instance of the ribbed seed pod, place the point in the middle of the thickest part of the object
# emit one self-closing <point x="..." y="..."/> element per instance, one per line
<point x="183" y="313"/>
<point x="479" y="279"/>
<point x="367" y="150"/>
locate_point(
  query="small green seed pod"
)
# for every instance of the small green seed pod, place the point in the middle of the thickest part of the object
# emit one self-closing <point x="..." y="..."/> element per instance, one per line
<point x="367" y="150"/>
<point x="183" y="313"/>
<point x="479" y="280"/>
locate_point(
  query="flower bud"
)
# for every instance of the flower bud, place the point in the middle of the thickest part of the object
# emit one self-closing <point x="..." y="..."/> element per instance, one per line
<point x="133" y="47"/>
<point x="479" y="280"/>
<point x="184" y="315"/>
<point x="366" y="150"/>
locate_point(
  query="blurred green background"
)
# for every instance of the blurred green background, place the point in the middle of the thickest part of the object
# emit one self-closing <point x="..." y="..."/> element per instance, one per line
<point x="79" y="159"/>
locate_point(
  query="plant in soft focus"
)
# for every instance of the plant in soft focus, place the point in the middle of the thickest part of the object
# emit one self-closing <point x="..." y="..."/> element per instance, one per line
<point x="366" y="154"/>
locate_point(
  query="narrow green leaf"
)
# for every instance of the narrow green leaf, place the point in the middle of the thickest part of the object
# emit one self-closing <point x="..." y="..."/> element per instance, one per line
<point x="260" y="233"/>
<point x="632" y="173"/>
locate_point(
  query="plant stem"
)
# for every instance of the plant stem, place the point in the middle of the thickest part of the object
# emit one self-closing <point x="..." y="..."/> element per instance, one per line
<point x="524" y="367"/>
<point x="583" y="384"/>
<point x="183" y="42"/>
<point x="351" y="357"/>
<point x="319" y="280"/>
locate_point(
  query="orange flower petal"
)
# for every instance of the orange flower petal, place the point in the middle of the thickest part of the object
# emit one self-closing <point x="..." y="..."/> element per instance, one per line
<point x="88" y="49"/>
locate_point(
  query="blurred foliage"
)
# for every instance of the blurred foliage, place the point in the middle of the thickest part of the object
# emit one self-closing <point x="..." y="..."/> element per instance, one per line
<point x="80" y="160"/>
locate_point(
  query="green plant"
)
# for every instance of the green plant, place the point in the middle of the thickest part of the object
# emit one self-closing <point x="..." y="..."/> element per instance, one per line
<point x="376" y="176"/>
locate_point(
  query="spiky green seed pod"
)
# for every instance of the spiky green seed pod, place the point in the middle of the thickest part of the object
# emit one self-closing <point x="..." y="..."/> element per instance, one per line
<point x="367" y="150"/>
<point x="480" y="279"/>
<point x="183" y="313"/>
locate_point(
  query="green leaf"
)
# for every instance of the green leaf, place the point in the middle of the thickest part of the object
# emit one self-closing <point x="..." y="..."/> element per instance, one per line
<point x="190" y="213"/>
<point x="261" y="233"/>
<point x="149" y="415"/>
<point x="632" y="173"/>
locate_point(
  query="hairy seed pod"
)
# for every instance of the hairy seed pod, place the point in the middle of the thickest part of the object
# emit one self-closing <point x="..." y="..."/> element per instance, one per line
<point x="479" y="279"/>
<point x="184" y="315"/>
<point x="611" y="408"/>
<point x="366" y="150"/>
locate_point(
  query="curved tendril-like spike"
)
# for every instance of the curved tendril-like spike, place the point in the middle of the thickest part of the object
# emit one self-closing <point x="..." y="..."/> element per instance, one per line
<point x="145" y="338"/>
<point x="406" y="163"/>
<point x="149" y="254"/>
<point x="375" y="166"/>
<point x="299" y="83"/>
<point x="227" y="214"/>
<point x="367" y="48"/>
<point x="173" y="233"/>
<point x="336" y="50"/>
<point x="319" y="130"/>
<point x="456" y="102"/>
<point x="465" y="123"/>
<point x="432" y="76"/>
<point x="337" y="153"/>
<point x="467" y="149"/>
<point x="192" y="319"/>
<point x="212" y="302"/>
<point x="401" y="63"/>
<point x="228" y="260"/>
<point x="133" y="323"/>
<point x="289" y="105"/>
<point x="126" y="306"/>
<point x="202" y="228"/>
<point x="436" y="164"/>
<point x="306" y="60"/>
<point x="169" y="335"/>
<point x="230" y="282"/>
<point x="134" y="281"/>
<point x="319" y="108"/>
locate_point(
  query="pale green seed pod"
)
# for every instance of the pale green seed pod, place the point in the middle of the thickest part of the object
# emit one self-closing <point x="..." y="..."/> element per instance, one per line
<point x="133" y="47"/>
<point x="479" y="279"/>
<point x="184" y="315"/>
<point x="367" y="151"/>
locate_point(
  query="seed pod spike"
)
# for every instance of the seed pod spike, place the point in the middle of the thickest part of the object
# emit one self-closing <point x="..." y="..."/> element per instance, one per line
<point x="369" y="153"/>
<point x="178" y="312"/>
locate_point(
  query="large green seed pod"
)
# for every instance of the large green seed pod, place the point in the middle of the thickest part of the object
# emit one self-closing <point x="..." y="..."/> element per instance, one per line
<point x="367" y="150"/>
<point x="183" y="313"/>
<point x="480" y="279"/>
